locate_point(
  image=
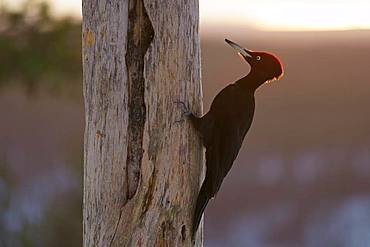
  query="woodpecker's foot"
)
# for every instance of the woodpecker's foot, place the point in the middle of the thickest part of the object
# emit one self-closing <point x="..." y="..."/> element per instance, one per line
<point x="184" y="111"/>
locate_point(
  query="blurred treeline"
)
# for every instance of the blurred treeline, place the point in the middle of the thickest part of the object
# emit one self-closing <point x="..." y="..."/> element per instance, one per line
<point x="39" y="52"/>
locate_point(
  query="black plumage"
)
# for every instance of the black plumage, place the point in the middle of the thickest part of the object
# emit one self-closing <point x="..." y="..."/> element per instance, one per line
<point x="227" y="122"/>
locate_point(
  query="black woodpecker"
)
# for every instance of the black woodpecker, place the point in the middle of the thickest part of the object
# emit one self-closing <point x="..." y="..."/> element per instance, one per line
<point x="227" y="122"/>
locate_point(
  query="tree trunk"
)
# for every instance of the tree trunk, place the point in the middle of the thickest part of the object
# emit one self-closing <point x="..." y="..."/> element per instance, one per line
<point x="141" y="168"/>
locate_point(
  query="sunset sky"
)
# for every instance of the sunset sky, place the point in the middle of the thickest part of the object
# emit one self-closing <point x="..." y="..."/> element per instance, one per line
<point x="283" y="15"/>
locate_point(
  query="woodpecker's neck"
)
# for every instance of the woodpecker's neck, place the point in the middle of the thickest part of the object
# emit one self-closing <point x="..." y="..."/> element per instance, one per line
<point x="251" y="81"/>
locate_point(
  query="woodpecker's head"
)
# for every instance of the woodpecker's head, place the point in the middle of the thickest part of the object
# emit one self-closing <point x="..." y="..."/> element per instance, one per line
<point x="265" y="65"/>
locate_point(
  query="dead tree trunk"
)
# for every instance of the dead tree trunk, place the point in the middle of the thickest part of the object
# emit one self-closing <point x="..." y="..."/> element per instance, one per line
<point x="141" y="169"/>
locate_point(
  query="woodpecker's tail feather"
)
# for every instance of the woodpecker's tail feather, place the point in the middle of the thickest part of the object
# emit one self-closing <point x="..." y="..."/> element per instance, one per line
<point x="202" y="202"/>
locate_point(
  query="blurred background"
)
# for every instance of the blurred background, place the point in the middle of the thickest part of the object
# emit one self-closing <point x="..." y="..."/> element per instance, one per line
<point x="302" y="177"/>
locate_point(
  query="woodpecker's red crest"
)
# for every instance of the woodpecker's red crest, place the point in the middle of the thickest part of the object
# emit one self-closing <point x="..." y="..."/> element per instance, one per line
<point x="265" y="65"/>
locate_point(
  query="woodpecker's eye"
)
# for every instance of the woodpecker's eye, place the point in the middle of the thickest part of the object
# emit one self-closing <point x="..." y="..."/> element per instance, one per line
<point x="258" y="58"/>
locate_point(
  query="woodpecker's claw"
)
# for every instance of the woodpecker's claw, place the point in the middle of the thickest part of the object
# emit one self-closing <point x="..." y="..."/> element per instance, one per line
<point x="184" y="109"/>
<point x="183" y="106"/>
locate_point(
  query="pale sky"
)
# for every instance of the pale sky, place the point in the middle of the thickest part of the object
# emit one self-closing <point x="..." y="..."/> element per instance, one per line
<point x="276" y="15"/>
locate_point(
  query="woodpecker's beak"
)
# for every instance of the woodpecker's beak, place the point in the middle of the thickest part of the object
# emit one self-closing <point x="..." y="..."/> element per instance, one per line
<point x="243" y="52"/>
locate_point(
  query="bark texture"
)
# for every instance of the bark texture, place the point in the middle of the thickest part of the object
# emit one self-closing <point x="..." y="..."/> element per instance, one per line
<point x="141" y="169"/>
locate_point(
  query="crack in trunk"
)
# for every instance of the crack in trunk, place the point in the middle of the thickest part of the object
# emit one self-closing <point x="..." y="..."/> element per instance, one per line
<point x="139" y="36"/>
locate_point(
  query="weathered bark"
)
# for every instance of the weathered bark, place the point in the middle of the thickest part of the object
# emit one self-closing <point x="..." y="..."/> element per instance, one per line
<point x="141" y="169"/>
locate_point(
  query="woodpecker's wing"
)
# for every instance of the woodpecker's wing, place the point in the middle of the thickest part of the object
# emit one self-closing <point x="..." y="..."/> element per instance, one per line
<point x="218" y="164"/>
<point x="223" y="129"/>
<point x="220" y="155"/>
<point x="232" y="112"/>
